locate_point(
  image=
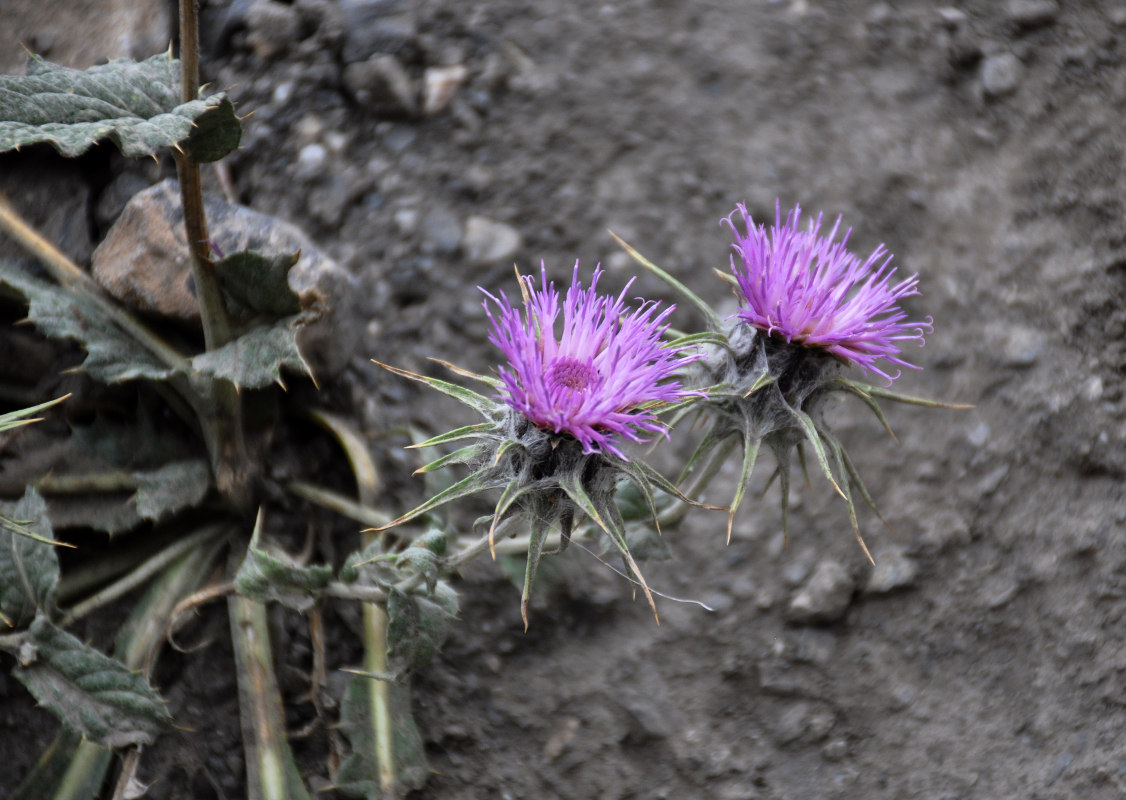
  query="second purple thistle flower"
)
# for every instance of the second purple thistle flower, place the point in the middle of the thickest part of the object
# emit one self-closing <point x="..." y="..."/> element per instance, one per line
<point x="810" y="289"/>
<point x="601" y="380"/>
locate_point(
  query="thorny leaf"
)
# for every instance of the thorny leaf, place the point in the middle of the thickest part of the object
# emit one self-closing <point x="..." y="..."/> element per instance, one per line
<point x="29" y="568"/>
<point x="358" y="773"/>
<point x="136" y="105"/>
<point x="112" y="354"/>
<point x="259" y="282"/>
<point x="483" y="405"/>
<point x="536" y="541"/>
<point x="93" y="694"/>
<point x="171" y="488"/>
<point x="255" y="359"/>
<point x="14" y="419"/>
<point x="267" y="578"/>
<point x="418" y="626"/>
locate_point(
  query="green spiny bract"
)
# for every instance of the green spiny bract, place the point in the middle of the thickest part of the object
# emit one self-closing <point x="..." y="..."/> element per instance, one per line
<point x="543" y="477"/>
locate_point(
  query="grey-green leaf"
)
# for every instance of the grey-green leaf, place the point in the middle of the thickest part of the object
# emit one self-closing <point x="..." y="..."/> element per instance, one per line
<point x="255" y="359"/>
<point x="267" y="577"/>
<point x="417" y="626"/>
<point x="171" y="488"/>
<point x="112" y="354"/>
<point x="216" y="133"/>
<point x="93" y="694"/>
<point x="359" y="772"/>
<point x="259" y="282"/>
<point x="29" y="568"/>
<point x="136" y="105"/>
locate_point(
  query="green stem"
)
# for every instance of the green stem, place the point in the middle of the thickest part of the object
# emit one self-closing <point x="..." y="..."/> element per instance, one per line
<point x="375" y="660"/>
<point x="216" y="325"/>
<point x="223" y="427"/>
<point x="271" y="773"/>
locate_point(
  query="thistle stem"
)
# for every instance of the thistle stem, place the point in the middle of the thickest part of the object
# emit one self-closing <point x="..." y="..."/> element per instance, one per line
<point x="271" y="771"/>
<point x="223" y="429"/>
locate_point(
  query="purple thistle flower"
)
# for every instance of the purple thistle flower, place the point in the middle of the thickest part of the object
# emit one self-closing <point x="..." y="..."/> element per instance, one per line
<point x="810" y="289"/>
<point x="602" y="378"/>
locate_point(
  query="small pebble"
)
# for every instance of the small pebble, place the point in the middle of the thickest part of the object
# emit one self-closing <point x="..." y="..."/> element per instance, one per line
<point x="382" y="84"/>
<point x="439" y="85"/>
<point x="1032" y="13"/>
<point x="825" y="597"/>
<point x="1016" y="345"/>
<point x="1001" y="75"/>
<point x="377" y="26"/>
<point x="792" y="724"/>
<point x="442" y="230"/>
<point x="894" y="570"/>
<point x="835" y="750"/>
<point x="978" y="435"/>
<point x="902" y="697"/>
<point x="488" y="242"/>
<point x="271" y="28"/>
<point x="283" y="92"/>
<point x="952" y="17"/>
<point x="311" y="159"/>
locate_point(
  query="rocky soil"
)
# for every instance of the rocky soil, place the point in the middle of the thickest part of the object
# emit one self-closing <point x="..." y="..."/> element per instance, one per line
<point x="426" y="146"/>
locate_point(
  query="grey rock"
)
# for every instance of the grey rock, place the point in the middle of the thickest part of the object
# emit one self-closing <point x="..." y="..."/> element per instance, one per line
<point x="819" y="724"/>
<point x="1001" y="75"/>
<point x="327" y="203"/>
<point x="383" y="85"/>
<point x="835" y="750"/>
<point x="441" y="230"/>
<point x="144" y="262"/>
<point x="825" y="597"/>
<point x="1014" y="344"/>
<point x="271" y="28"/>
<point x="737" y="790"/>
<point x="374" y="27"/>
<point x="311" y="160"/>
<point x="1032" y="13"/>
<point x="894" y="570"/>
<point x="978" y="435"/>
<point x="439" y="85"/>
<point x="943" y="528"/>
<point x="902" y="697"/>
<point x="1117" y="16"/>
<point x="81" y="33"/>
<point x="792" y="725"/>
<point x="488" y="242"/>
<point x="951" y="17"/>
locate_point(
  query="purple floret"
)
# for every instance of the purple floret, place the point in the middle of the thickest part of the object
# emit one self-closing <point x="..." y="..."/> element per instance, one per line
<point x="600" y="380"/>
<point x="809" y="289"/>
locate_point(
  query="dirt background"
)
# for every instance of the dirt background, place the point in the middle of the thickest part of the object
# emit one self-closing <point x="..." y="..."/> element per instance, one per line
<point x="982" y="141"/>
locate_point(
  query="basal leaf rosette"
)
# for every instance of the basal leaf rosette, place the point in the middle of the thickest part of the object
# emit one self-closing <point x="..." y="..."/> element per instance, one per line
<point x="809" y="310"/>
<point x="583" y="375"/>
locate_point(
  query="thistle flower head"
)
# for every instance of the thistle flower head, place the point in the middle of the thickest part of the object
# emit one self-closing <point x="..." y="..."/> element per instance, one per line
<point x="811" y="290"/>
<point x="600" y="378"/>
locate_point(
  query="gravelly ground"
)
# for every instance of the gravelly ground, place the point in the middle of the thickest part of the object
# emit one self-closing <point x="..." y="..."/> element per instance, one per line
<point x="981" y="141"/>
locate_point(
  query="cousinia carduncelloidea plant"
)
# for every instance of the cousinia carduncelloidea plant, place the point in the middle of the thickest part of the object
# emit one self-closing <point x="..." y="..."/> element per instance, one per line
<point x="567" y="400"/>
<point x="809" y="309"/>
